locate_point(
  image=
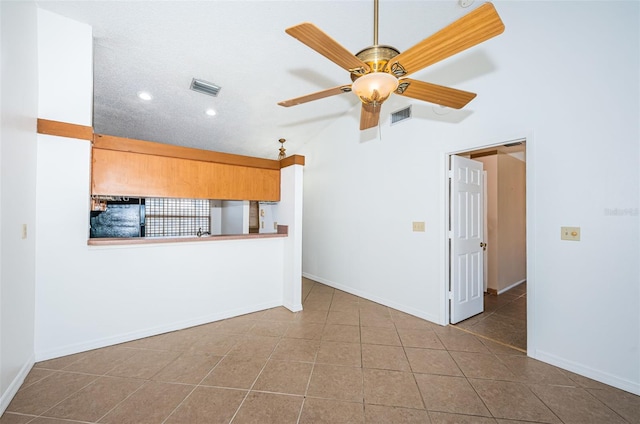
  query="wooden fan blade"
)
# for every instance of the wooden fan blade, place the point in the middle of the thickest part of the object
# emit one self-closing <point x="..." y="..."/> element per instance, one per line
<point x="315" y="96"/>
<point x="314" y="37"/>
<point x="433" y="93"/>
<point x="369" y="116"/>
<point x="479" y="25"/>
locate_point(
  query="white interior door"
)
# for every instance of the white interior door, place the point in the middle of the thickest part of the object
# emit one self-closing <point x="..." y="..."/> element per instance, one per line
<point x="467" y="238"/>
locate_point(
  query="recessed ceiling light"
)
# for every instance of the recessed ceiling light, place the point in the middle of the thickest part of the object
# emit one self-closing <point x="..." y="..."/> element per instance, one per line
<point x="210" y="112"/>
<point x="144" y="95"/>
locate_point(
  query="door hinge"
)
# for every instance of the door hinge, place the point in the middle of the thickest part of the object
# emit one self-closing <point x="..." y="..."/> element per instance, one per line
<point x="450" y="295"/>
<point x="450" y="234"/>
<point x="450" y="173"/>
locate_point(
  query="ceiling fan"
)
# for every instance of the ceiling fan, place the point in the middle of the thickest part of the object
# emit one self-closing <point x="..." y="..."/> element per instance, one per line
<point x="379" y="70"/>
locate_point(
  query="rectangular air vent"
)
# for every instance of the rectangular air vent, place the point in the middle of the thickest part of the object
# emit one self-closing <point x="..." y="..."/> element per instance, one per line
<point x="401" y="115"/>
<point x="204" y="87"/>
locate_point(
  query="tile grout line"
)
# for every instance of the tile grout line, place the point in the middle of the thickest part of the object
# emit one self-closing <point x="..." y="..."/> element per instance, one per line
<point x="122" y="401"/>
<point x="146" y="381"/>
<point x="254" y="382"/>
<point x="41" y="415"/>
<point x="313" y="366"/>
<point x="602" y="403"/>
<point x="413" y="374"/>
<point x="306" y="390"/>
<point x="361" y="360"/>
<point x="543" y="402"/>
<point x="475" y="390"/>
<point x="199" y="384"/>
<point x="97" y="376"/>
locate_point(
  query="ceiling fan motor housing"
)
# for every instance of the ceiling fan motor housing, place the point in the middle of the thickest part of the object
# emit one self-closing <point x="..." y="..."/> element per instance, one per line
<point x="376" y="57"/>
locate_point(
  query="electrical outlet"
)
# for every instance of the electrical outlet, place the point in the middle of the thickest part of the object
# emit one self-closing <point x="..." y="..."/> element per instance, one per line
<point x="570" y="233"/>
<point x="418" y="226"/>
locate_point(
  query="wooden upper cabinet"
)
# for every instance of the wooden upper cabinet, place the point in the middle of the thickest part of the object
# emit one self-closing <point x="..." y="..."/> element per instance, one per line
<point x="116" y="172"/>
<point x="136" y="168"/>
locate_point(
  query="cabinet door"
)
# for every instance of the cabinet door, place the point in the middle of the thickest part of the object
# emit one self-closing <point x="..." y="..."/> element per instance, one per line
<point x="119" y="173"/>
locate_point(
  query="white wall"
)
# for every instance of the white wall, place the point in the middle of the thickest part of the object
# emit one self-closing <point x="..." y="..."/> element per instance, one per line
<point x="512" y="228"/>
<point x="289" y="213"/>
<point x="215" y="224"/>
<point x="235" y="217"/>
<point x="65" y="75"/>
<point x="19" y="97"/>
<point x="92" y="296"/>
<point x="564" y="75"/>
<point x="506" y="221"/>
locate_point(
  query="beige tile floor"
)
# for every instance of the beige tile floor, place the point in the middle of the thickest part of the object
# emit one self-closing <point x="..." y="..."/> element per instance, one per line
<point x="342" y="360"/>
<point x="504" y="318"/>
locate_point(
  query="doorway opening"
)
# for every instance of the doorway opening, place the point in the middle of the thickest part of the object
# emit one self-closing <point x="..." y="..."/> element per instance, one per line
<point x="503" y="317"/>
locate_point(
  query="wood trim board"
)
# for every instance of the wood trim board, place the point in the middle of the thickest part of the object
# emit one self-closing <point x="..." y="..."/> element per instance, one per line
<point x="64" y="129"/>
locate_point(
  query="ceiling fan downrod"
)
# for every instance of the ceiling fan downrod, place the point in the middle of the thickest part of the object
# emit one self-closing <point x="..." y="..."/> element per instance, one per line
<point x="375" y="56"/>
<point x="375" y="22"/>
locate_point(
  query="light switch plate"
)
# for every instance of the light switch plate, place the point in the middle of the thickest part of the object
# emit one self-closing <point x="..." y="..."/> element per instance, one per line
<point x="570" y="233"/>
<point x="418" y="226"/>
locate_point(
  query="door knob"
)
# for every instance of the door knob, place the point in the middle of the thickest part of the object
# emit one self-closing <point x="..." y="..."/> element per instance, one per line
<point x="483" y="245"/>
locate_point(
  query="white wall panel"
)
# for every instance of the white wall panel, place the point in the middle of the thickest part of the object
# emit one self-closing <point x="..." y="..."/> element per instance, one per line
<point x="65" y="61"/>
<point x="19" y="98"/>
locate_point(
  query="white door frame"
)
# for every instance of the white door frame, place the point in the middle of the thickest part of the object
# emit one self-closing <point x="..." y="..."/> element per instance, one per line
<point x="485" y="231"/>
<point x="444" y="299"/>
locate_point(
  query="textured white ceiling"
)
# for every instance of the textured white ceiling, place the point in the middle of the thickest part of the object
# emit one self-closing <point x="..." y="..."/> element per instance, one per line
<point x="159" y="46"/>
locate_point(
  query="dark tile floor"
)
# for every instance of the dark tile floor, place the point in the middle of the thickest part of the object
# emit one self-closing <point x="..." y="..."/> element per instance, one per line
<point x="343" y="359"/>
<point x="504" y="318"/>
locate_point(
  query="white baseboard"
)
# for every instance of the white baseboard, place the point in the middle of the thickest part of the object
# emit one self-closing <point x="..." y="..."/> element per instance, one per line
<point x="292" y="307"/>
<point x="611" y="380"/>
<point x="11" y="391"/>
<point x="517" y="283"/>
<point x="154" y="331"/>
<point x="386" y="302"/>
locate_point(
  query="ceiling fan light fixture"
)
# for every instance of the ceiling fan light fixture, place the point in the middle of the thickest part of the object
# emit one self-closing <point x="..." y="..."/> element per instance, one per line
<point x="375" y="87"/>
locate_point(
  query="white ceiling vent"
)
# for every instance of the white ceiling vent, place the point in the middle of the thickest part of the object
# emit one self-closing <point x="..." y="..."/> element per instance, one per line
<point x="401" y="115"/>
<point x="204" y="87"/>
